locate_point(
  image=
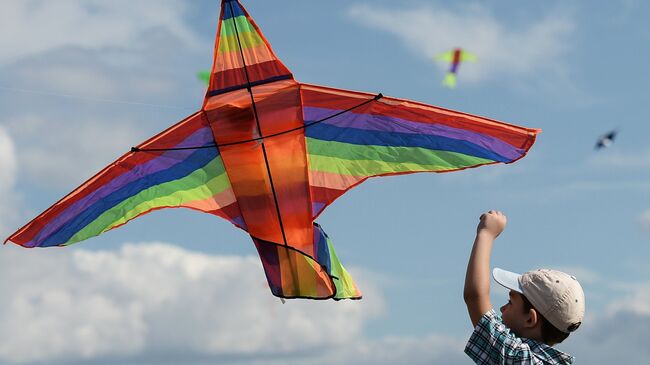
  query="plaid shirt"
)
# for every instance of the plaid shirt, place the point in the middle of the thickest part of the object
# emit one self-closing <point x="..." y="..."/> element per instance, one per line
<point x="492" y="343"/>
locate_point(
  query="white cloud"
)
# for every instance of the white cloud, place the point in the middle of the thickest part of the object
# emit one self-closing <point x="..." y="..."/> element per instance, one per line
<point x="9" y="201"/>
<point x="156" y="303"/>
<point x="636" y="299"/>
<point x="73" y="67"/>
<point x="644" y="219"/>
<point x="40" y="26"/>
<point x="83" y="81"/>
<point x="501" y="49"/>
<point x="7" y="162"/>
<point x="152" y="299"/>
<point x="619" y="335"/>
<point x="622" y="160"/>
<point x="584" y="275"/>
<point x="74" y="150"/>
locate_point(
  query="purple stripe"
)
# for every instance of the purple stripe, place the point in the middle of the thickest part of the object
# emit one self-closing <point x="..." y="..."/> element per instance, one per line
<point x="316" y="207"/>
<point x="199" y="138"/>
<point x="239" y="220"/>
<point x="376" y="122"/>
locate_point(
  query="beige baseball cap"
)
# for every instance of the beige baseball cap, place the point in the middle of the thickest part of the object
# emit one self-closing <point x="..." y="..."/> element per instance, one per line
<point x="556" y="295"/>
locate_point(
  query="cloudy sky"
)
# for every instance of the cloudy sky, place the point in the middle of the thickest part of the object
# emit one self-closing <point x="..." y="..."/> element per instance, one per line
<point x="81" y="81"/>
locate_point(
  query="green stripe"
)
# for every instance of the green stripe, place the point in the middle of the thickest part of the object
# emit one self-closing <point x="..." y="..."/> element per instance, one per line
<point x="345" y="287"/>
<point x="199" y="185"/>
<point x="228" y="42"/>
<point x="243" y="26"/>
<point x="358" y="160"/>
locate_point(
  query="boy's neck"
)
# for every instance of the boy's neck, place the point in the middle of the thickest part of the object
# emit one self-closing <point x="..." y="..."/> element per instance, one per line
<point x="534" y="334"/>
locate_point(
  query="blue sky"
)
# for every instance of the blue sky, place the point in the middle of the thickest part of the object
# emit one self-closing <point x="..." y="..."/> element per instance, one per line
<point x="82" y="81"/>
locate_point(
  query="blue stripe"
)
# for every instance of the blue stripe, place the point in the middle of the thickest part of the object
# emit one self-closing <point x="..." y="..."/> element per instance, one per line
<point x="328" y="132"/>
<point x="245" y="86"/>
<point x="236" y="9"/>
<point x="316" y="207"/>
<point x="183" y="168"/>
<point x="322" y="249"/>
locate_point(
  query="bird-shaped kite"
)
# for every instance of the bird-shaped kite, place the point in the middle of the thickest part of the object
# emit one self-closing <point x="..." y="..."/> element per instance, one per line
<point x="454" y="57"/>
<point x="606" y="140"/>
<point x="269" y="154"/>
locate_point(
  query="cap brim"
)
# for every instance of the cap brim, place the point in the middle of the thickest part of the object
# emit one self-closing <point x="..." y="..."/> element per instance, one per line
<point x="507" y="279"/>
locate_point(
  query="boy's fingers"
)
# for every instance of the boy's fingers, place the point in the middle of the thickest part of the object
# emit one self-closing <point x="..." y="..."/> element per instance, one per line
<point x="493" y="213"/>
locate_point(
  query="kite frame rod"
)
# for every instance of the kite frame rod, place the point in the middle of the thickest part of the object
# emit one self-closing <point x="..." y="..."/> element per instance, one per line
<point x="259" y="127"/>
<point x="136" y="149"/>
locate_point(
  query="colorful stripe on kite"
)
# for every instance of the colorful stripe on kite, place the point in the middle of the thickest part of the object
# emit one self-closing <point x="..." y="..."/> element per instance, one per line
<point x="138" y="183"/>
<point x="294" y="274"/>
<point x="242" y="54"/>
<point x="392" y="136"/>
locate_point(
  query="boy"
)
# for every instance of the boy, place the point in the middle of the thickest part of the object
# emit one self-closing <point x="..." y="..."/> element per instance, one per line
<point x="543" y="308"/>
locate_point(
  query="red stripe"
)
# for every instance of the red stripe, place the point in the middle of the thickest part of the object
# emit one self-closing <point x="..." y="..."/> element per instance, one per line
<point x="519" y="137"/>
<point x="456" y="59"/>
<point x="256" y="72"/>
<point x="325" y="195"/>
<point x="229" y="213"/>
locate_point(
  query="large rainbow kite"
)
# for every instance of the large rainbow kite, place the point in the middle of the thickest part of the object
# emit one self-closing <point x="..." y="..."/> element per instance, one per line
<point x="269" y="154"/>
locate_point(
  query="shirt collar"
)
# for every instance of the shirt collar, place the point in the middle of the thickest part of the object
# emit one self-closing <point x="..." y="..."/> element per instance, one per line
<point x="548" y="354"/>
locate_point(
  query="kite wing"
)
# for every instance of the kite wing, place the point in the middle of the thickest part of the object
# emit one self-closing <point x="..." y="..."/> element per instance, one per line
<point x="445" y="56"/>
<point x="449" y="56"/>
<point x="389" y="136"/>
<point x="157" y="174"/>
<point x="466" y="56"/>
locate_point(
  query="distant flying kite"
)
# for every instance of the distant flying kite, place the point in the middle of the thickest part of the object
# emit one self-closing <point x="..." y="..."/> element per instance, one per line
<point x="269" y="154"/>
<point x="454" y="57"/>
<point x="606" y="140"/>
<point x="204" y="76"/>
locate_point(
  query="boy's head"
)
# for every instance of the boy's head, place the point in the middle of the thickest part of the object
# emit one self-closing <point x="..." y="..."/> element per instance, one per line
<point x="556" y="298"/>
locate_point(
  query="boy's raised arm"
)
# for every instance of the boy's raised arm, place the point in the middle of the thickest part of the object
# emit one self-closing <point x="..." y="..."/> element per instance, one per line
<point x="477" y="278"/>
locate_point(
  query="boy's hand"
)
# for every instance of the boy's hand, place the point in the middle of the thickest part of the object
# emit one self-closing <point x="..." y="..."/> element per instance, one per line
<point x="477" y="278"/>
<point x="492" y="223"/>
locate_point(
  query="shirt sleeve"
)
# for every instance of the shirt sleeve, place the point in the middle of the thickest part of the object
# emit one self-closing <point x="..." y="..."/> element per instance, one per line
<point x="493" y="343"/>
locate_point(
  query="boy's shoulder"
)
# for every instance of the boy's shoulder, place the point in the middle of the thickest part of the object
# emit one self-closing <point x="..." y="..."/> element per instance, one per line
<point x="492" y="342"/>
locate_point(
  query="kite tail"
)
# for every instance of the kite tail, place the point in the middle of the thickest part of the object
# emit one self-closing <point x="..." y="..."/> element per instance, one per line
<point x="449" y="80"/>
<point x="292" y="273"/>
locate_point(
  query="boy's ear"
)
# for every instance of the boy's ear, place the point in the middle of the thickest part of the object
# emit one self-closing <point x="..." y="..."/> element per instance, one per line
<point x="533" y="318"/>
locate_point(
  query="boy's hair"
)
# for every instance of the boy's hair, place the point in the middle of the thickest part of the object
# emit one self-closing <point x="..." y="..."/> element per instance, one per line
<point x="550" y="334"/>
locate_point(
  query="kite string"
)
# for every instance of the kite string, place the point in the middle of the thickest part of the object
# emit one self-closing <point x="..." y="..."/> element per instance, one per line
<point x="101" y="100"/>
<point x="377" y="97"/>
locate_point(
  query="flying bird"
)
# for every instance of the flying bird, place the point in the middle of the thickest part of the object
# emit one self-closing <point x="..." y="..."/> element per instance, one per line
<point x="269" y="154"/>
<point x="454" y="57"/>
<point x="606" y="140"/>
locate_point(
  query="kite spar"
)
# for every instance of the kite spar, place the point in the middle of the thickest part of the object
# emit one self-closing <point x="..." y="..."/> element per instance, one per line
<point x="269" y="154"/>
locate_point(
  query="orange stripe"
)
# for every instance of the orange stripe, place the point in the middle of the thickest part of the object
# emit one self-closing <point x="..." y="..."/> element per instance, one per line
<point x="254" y="55"/>
<point x="213" y="203"/>
<point x="332" y="181"/>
